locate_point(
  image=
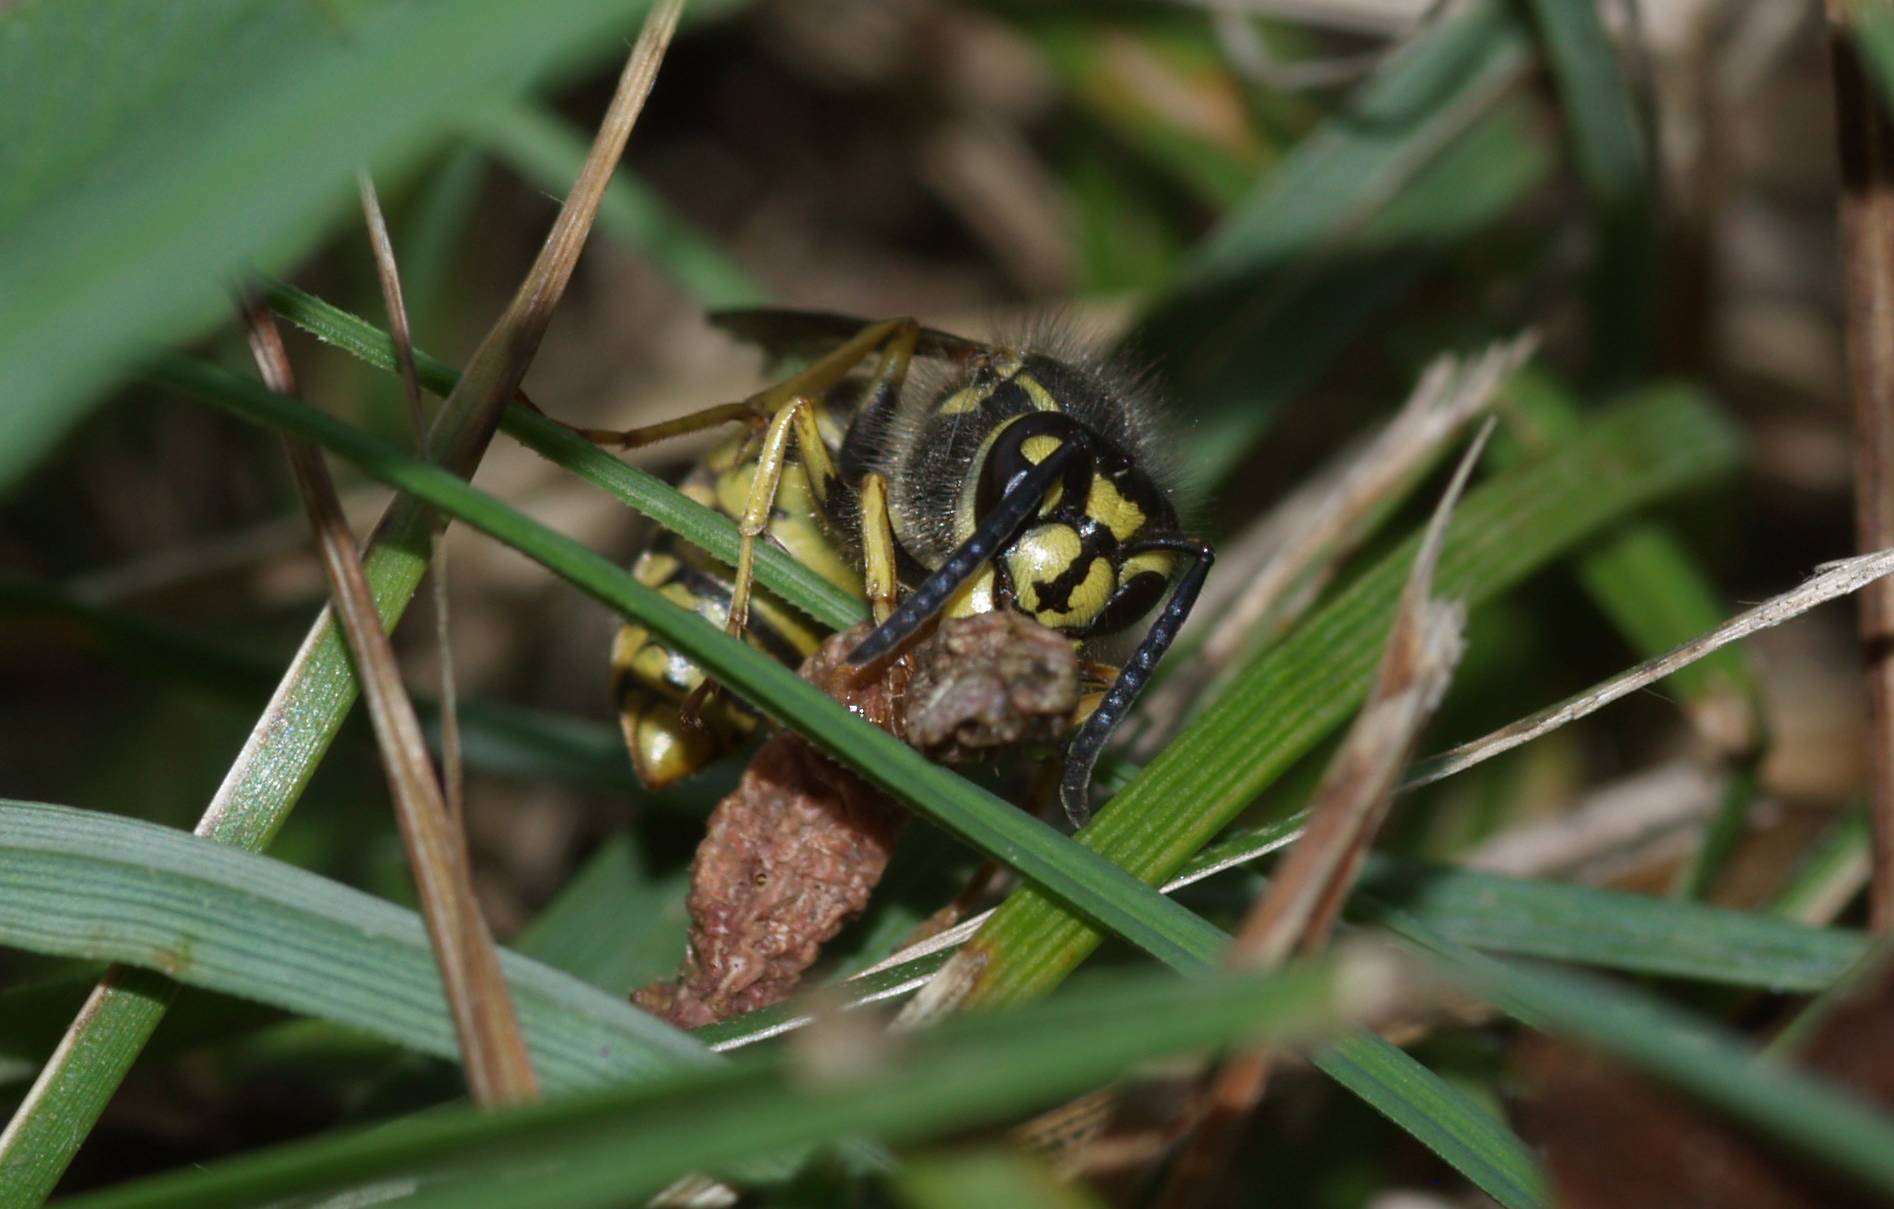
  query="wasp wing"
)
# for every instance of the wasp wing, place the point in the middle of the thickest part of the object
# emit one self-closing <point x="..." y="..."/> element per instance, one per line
<point x="788" y="333"/>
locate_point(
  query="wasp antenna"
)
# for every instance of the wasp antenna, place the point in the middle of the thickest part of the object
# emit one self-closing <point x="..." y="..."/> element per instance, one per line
<point x="1076" y="785"/>
<point x="1000" y="525"/>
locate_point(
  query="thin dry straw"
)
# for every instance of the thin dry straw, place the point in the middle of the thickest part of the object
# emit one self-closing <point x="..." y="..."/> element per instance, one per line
<point x="1832" y="580"/>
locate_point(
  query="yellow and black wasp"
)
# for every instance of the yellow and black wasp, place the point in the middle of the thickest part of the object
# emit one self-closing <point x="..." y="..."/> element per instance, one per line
<point x="976" y="476"/>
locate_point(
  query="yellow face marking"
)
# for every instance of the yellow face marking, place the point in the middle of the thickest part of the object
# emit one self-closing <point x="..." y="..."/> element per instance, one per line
<point x="1037" y="450"/>
<point x="973" y="596"/>
<point x="1042" y="399"/>
<point x="1040" y="556"/>
<point x="1088" y="600"/>
<point x="1113" y="510"/>
<point x="1046" y="553"/>
<point x="1157" y="562"/>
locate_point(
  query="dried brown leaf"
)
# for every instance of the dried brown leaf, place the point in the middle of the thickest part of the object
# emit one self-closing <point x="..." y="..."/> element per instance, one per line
<point x="793" y="853"/>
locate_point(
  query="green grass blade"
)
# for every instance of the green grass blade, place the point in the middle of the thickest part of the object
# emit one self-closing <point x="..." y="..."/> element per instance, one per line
<point x="1831" y="872"/>
<point x="1440" y="1117"/>
<point x="312" y="700"/>
<point x="1789" y="1107"/>
<point x="611" y="1148"/>
<point x="223" y="168"/>
<point x="613" y="924"/>
<point x="1874" y="31"/>
<point x="547" y="151"/>
<point x="1243" y="353"/>
<point x="431" y="237"/>
<point x="1613" y="158"/>
<point x="263" y="784"/>
<point x="1615" y="930"/>
<point x="703" y="527"/>
<point x="995" y="827"/>
<point x="1645" y="580"/>
<point x="1609" y="929"/>
<point x="1369" y="152"/>
<point x="89" y="885"/>
<point x="1288" y="697"/>
<point x="1642" y="577"/>
<point x="38" y="1011"/>
<point x="1421" y="155"/>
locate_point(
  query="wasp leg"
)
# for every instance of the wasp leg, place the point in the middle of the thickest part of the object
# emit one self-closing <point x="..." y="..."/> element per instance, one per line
<point x="797" y="420"/>
<point x="877" y="536"/>
<point x="1074" y="789"/>
<point x="819" y="378"/>
<point x="813" y="382"/>
<point x="794" y="408"/>
<point x="651" y="434"/>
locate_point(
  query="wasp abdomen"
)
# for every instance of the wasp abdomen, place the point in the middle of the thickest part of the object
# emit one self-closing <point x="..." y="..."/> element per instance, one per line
<point x="651" y="681"/>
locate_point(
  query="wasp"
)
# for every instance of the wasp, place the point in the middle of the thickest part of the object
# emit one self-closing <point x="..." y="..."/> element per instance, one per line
<point x="974" y="476"/>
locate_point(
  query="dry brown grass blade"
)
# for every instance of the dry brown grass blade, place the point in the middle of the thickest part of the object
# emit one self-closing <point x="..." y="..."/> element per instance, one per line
<point x="1866" y="137"/>
<point x="1299" y="910"/>
<point x="499" y="364"/>
<point x="453" y="780"/>
<point x="1831" y="580"/>
<point x="493" y="1050"/>
<point x="1612" y="832"/>
<point x="1296" y="546"/>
